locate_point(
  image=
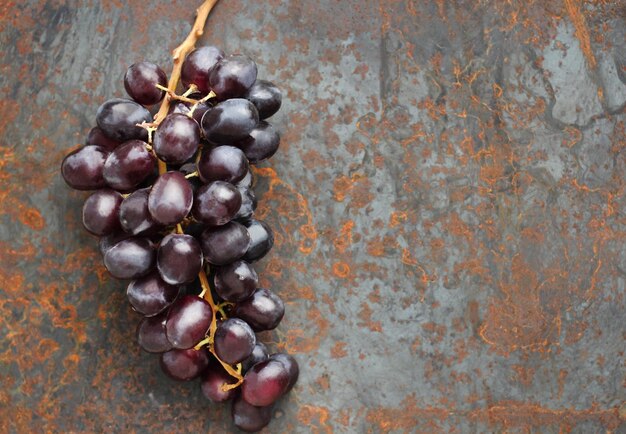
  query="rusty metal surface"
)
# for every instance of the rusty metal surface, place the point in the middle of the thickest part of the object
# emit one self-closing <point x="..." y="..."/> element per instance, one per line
<point x="449" y="202"/>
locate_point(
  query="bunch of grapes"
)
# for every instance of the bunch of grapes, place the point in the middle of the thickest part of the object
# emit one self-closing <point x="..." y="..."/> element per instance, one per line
<point x="174" y="207"/>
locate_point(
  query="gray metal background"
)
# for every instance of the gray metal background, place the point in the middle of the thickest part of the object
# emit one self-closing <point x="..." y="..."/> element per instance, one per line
<point x="448" y="202"/>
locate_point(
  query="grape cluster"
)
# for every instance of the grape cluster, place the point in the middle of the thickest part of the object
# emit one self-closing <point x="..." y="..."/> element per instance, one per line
<point x="174" y="207"/>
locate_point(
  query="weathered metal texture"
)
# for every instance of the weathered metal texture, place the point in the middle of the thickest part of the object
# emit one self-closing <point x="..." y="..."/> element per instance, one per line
<point x="449" y="202"/>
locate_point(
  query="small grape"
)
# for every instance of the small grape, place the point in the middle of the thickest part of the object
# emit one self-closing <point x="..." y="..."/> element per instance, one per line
<point x="188" y="321"/>
<point x="118" y="119"/>
<point x="140" y="82"/>
<point x="216" y="203"/>
<point x="223" y="163"/>
<point x="97" y="138"/>
<point x="262" y="311"/>
<point x="259" y="354"/>
<point x="234" y="340"/>
<point x="179" y="258"/>
<point x="184" y="365"/>
<point x="101" y="212"/>
<point x="151" y="334"/>
<point x="135" y="216"/>
<point x="128" y="165"/>
<point x="266" y="97"/>
<point x="176" y="139"/>
<point x="248" y="417"/>
<point x="261" y="240"/>
<point x="225" y="244"/>
<point x="213" y="378"/>
<point x="130" y="259"/>
<point x="151" y="295"/>
<point x="232" y="76"/>
<point x="170" y="199"/>
<point x="261" y="144"/>
<point x="83" y="169"/>
<point x="264" y="383"/>
<point x="198" y="65"/>
<point x="230" y="121"/>
<point x="235" y="282"/>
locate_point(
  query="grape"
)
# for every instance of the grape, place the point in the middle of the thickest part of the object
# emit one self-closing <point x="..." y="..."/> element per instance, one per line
<point x="170" y="199"/>
<point x="200" y="110"/>
<point x="150" y="295"/>
<point x="216" y="203"/>
<point x="234" y="340"/>
<point x="222" y="163"/>
<point x="259" y="354"/>
<point x="134" y="215"/>
<point x="230" y="121"/>
<point x="97" y="138"/>
<point x="248" y="205"/>
<point x="213" y="378"/>
<point x="176" y="139"/>
<point x="188" y="321"/>
<point x="130" y="259"/>
<point x="225" y="244"/>
<point x="108" y="241"/>
<point x="291" y="365"/>
<point x="236" y="282"/>
<point x="83" y="168"/>
<point x="151" y="334"/>
<point x="198" y="65"/>
<point x="232" y="76"/>
<point x="184" y="365"/>
<point x="127" y="166"/>
<point x="179" y="258"/>
<point x="249" y="418"/>
<point x="118" y="119"/>
<point x="261" y="144"/>
<point x="246" y="182"/>
<point x="264" y="383"/>
<point x="263" y="311"/>
<point x="262" y="240"/>
<point x="266" y="97"/>
<point x="101" y="212"/>
<point x="140" y="82"/>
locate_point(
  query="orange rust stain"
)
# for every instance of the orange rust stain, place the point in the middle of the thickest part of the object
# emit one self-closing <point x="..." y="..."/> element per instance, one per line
<point x="306" y="341"/>
<point x="525" y="374"/>
<point x="398" y="218"/>
<point x="365" y="315"/>
<point x="408" y="259"/>
<point x="344" y="239"/>
<point x="575" y="12"/>
<point x="315" y="418"/>
<point x="341" y="269"/>
<point x="32" y="218"/>
<point x="338" y="350"/>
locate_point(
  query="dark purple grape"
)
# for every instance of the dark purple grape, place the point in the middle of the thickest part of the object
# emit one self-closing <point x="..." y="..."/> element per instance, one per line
<point x="179" y="107"/>
<point x="249" y="418"/>
<point x="140" y="82"/>
<point x="150" y="295"/>
<point x="170" y="199"/>
<point x="127" y="166"/>
<point x="176" y="139"/>
<point x="223" y="163"/>
<point x="262" y="240"/>
<point x="291" y="365"/>
<point x="263" y="311"/>
<point x="234" y="341"/>
<point x="97" y="138"/>
<point x="83" y="168"/>
<point x="179" y="258"/>
<point x="232" y="76"/>
<point x="230" y="121"/>
<point x="198" y="65"/>
<point x="151" y="334"/>
<point x="266" y="97"/>
<point x="225" y="244"/>
<point x="264" y="383"/>
<point x="216" y="203"/>
<point x="248" y="205"/>
<point x="134" y="215"/>
<point x="184" y="365"/>
<point x="261" y="144"/>
<point x="101" y="212"/>
<point x="118" y="119"/>
<point x="259" y="354"/>
<point x="200" y="110"/>
<point x="236" y="282"/>
<point x="188" y="321"/>
<point x="130" y="259"/>
<point x="213" y="378"/>
<point x="246" y="182"/>
<point x="108" y="241"/>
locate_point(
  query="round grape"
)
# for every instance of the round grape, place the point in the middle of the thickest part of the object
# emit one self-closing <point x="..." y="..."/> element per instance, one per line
<point x="216" y="203"/>
<point x="213" y="378"/>
<point x="232" y="76"/>
<point x="97" y="138"/>
<point x="198" y="65"/>
<point x="170" y="199"/>
<point x="151" y="334"/>
<point x="261" y="144"/>
<point x="248" y="205"/>
<point x="176" y="139"/>
<point x="262" y="311"/>
<point x="101" y="212"/>
<point x="140" y="82"/>
<point x="266" y="97"/>
<point x="259" y="354"/>
<point x="118" y="119"/>
<point x="179" y="258"/>
<point x="134" y="214"/>
<point x="236" y="282"/>
<point x="150" y="295"/>
<point x="234" y="341"/>
<point x="264" y="383"/>
<point x="248" y="417"/>
<point x="130" y="259"/>
<point x="225" y="244"/>
<point x="83" y="168"/>
<point x="184" y="365"/>
<point x="291" y="365"/>
<point x="128" y="165"/>
<point x="261" y="240"/>
<point x="230" y="121"/>
<point x="222" y="163"/>
<point x="188" y="321"/>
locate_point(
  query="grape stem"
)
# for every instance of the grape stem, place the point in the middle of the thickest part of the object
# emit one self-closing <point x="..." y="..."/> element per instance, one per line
<point x="178" y="55"/>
